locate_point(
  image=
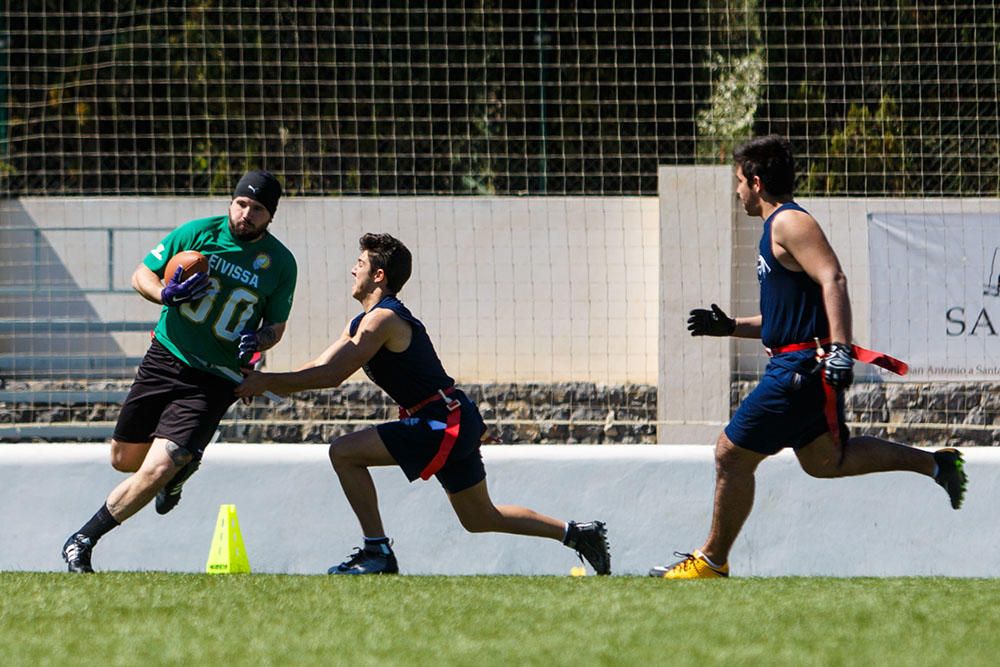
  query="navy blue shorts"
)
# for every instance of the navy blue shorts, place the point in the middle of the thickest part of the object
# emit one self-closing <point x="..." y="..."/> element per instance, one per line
<point x="414" y="441"/>
<point x="786" y="409"/>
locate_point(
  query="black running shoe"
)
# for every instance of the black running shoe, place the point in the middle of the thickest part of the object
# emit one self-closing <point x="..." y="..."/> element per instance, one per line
<point x="170" y="495"/>
<point x="951" y="474"/>
<point x="363" y="561"/>
<point x="591" y="543"/>
<point x="76" y="552"/>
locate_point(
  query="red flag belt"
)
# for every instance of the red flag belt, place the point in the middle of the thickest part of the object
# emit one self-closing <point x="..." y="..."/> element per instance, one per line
<point x="452" y="427"/>
<point x="862" y="354"/>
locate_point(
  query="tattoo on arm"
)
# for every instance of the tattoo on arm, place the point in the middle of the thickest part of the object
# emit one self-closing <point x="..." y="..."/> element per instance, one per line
<point x="266" y="338"/>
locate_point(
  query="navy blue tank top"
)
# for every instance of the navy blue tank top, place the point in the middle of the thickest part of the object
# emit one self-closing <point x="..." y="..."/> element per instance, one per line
<point x="415" y="373"/>
<point x="791" y="303"/>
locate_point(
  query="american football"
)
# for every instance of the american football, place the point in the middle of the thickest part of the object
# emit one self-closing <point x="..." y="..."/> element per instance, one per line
<point x="192" y="261"/>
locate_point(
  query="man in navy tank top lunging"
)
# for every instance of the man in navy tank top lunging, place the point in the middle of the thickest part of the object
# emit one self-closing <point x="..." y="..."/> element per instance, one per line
<point x="439" y="431"/>
<point x="805" y="325"/>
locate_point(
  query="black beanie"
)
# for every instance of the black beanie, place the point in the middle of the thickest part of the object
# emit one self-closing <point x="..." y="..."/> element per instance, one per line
<point x="261" y="186"/>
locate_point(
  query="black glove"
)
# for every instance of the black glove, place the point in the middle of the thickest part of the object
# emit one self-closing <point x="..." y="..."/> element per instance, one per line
<point x="192" y="289"/>
<point x="839" y="366"/>
<point x="248" y="346"/>
<point x="710" y="322"/>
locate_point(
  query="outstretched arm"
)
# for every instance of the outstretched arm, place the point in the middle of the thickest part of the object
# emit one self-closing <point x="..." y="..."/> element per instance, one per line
<point x="337" y="363"/>
<point x="327" y="354"/>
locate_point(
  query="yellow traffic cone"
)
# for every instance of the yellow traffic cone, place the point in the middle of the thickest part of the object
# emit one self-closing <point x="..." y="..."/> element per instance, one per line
<point x="227" y="555"/>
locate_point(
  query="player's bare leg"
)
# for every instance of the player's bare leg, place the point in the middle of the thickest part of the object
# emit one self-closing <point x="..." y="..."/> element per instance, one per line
<point x="478" y="514"/>
<point x="161" y="462"/>
<point x="351" y="456"/>
<point x="128" y="456"/>
<point x="735" y="485"/>
<point x="867" y="454"/>
<point x="861" y="455"/>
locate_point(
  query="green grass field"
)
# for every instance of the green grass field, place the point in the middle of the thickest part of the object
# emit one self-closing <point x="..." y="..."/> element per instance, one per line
<point x="158" y="618"/>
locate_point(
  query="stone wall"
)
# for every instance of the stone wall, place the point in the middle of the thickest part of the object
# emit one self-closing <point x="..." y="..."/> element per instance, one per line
<point x="925" y="414"/>
<point x="561" y="413"/>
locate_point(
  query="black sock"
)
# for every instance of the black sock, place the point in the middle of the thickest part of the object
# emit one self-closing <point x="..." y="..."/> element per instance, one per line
<point x="99" y="524"/>
<point x="378" y="545"/>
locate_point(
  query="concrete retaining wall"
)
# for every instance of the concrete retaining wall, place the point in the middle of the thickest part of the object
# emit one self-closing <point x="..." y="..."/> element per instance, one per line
<point x="655" y="499"/>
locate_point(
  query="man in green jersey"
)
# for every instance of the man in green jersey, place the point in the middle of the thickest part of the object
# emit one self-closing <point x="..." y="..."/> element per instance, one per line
<point x="210" y="325"/>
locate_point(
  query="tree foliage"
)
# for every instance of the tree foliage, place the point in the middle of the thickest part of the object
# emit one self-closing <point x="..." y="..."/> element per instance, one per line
<point x="397" y="97"/>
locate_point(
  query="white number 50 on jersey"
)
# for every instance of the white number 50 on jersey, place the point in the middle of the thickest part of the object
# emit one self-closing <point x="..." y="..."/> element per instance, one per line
<point x="234" y="315"/>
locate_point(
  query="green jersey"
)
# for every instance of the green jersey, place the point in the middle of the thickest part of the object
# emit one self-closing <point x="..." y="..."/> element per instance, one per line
<point x="250" y="282"/>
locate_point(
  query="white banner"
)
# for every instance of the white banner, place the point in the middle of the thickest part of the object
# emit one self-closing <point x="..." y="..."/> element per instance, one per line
<point x="935" y="293"/>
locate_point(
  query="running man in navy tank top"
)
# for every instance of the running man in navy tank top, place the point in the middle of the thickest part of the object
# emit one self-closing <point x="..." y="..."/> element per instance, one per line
<point x="805" y="323"/>
<point x="439" y="431"/>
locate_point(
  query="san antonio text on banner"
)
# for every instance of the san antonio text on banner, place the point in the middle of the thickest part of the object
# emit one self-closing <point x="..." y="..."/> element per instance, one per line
<point x="978" y="369"/>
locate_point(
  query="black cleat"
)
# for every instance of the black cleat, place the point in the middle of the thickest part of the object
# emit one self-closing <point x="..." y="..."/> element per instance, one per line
<point x="170" y="495"/>
<point x="951" y="474"/>
<point x="363" y="561"/>
<point x="591" y="543"/>
<point x="76" y="552"/>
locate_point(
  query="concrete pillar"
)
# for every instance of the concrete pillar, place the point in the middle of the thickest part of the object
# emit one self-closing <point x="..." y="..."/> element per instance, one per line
<point x="696" y="262"/>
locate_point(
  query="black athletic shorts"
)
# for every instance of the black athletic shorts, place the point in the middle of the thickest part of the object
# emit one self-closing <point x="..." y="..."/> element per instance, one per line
<point x="414" y="442"/>
<point x="171" y="400"/>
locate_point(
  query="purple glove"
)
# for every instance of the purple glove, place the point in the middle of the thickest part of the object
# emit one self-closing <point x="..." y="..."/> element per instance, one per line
<point x="192" y="289"/>
<point x="248" y="346"/>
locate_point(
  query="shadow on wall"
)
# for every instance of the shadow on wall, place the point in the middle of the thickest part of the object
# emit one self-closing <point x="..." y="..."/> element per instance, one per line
<point x="48" y="325"/>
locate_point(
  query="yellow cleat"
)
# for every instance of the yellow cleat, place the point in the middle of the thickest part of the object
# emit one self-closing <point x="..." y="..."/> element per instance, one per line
<point x="692" y="566"/>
